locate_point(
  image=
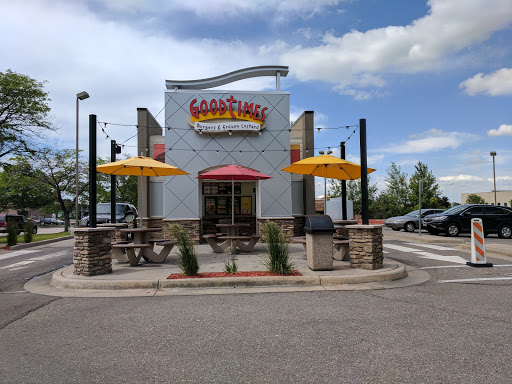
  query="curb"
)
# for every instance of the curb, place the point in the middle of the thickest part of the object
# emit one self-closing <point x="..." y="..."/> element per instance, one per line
<point x="42" y="242"/>
<point x="58" y="280"/>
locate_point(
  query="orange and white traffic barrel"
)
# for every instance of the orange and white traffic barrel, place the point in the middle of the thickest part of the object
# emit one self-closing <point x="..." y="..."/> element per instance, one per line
<point x="478" y="257"/>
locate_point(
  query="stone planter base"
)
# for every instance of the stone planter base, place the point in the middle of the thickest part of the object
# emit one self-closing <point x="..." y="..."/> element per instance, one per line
<point x="365" y="246"/>
<point x="91" y="255"/>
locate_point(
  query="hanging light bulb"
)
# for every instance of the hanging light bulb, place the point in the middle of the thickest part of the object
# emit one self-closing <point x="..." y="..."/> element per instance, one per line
<point x="230" y="132"/>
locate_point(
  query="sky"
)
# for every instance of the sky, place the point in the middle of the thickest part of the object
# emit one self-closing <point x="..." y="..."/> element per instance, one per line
<point x="433" y="79"/>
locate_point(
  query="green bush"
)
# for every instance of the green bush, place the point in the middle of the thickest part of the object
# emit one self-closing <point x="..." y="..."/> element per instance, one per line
<point x="186" y="250"/>
<point x="28" y="231"/>
<point x="278" y="259"/>
<point x="230" y="267"/>
<point x="12" y="233"/>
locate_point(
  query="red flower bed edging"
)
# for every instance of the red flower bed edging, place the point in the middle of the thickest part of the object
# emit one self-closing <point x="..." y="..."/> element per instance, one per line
<point x="223" y="274"/>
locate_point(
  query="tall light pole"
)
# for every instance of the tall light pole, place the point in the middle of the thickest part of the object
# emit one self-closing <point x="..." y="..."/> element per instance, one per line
<point x="79" y="96"/>
<point x="494" y="174"/>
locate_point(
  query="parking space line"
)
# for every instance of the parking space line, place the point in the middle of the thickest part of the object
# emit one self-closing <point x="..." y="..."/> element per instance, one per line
<point x="464" y="266"/>
<point x="433" y="256"/>
<point x="400" y="248"/>
<point x="19" y="264"/>
<point x="475" y="279"/>
<point x="17" y="253"/>
<point x="432" y="246"/>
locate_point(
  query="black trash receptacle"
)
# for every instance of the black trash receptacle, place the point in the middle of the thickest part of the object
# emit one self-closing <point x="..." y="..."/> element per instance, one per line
<point x="319" y="230"/>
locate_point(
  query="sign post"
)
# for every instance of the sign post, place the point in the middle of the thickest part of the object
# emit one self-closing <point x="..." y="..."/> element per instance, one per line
<point x="420" y="192"/>
<point x="478" y="257"/>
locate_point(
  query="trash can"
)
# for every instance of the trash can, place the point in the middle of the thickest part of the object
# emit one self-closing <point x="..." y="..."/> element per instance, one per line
<point x="319" y="230"/>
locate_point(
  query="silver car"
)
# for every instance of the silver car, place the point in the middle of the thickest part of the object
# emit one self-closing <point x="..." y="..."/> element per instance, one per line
<point x="410" y="221"/>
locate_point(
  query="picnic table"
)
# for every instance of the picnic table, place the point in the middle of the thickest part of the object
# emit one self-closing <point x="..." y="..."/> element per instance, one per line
<point x="126" y="252"/>
<point x="221" y="241"/>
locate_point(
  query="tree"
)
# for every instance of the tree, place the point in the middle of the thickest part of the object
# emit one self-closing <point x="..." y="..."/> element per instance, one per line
<point x="56" y="170"/>
<point x="20" y="189"/>
<point x="474" y="199"/>
<point x="354" y="194"/>
<point x="431" y="191"/>
<point x="126" y="186"/>
<point x="395" y="198"/>
<point x="24" y="113"/>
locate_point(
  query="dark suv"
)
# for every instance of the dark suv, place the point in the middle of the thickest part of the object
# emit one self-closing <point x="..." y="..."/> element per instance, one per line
<point x="495" y="219"/>
<point x="125" y="213"/>
<point x="19" y="220"/>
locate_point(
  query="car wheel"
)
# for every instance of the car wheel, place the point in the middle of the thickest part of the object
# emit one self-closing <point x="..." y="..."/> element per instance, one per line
<point x="395" y="229"/>
<point x="409" y="226"/>
<point x="505" y="231"/>
<point x="452" y="229"/>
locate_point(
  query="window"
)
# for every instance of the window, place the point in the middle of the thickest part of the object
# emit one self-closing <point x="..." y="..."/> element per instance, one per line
<point x="495" y="210"/>
<point x="475" y="211"/>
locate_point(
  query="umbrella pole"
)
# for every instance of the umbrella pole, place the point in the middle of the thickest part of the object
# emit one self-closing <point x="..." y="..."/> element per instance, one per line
<point x="141" y="195"/>
<point x="325" y="192"/>
<point x="232" y="201"/>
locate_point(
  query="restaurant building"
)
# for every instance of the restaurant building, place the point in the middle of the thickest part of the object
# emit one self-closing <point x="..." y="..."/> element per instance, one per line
<point x="206" y="129"/>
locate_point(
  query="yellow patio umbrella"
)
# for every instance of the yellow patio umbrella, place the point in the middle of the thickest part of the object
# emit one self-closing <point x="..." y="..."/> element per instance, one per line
<point x="328" y="167"/>
<point x="140" y="166"/>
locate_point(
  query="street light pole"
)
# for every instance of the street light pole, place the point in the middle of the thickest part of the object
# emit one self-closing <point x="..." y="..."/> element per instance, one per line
<point x="79" y="96"/>
<point x="493" y="153"/>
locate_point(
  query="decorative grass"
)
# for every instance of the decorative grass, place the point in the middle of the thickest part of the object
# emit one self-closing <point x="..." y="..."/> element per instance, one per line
<point x="186" y="250"/>
<point x="278" y="259"/>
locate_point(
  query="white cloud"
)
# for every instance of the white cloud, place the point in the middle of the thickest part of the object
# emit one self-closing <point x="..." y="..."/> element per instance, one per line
<point x="277" y="9"/>
<point x="461" y="178"/>
<point x="500" y="178"/>
<point x="430" y="141"/>
<point x="112" y="62"/>
<point x="359" y="59"/>
<point x="494" y="84"/>
<point x="503" y="130"/>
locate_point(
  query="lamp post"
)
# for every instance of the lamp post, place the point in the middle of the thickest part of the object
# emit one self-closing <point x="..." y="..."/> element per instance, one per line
<point x="493" y="153"/>
<point x="79" y="96"/>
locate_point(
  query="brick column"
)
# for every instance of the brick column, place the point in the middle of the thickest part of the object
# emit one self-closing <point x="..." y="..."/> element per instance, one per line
<point x="91" y="255"/>
<point x="365" y="246"/>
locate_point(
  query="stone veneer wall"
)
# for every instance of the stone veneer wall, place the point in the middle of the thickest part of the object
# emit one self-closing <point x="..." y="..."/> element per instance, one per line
<point x="298" y="225"/>
<point x="287" y="224"/>
<point x="91" y="255"/>
<point x="343" y="232"/>
<point x="155" y="222"/>
<point x="365" y="246"/>
<point x="117" y="236"/>
<point x="193" y="226"/>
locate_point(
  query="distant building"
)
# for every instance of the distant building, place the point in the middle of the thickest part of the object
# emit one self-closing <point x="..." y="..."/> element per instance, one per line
<point x="502" y="197"/>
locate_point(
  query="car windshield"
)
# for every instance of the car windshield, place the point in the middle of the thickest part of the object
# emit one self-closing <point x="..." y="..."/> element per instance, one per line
<point x="103" y="209"/>
<point x="455" y="210"/>
<point x="415" y="213"/>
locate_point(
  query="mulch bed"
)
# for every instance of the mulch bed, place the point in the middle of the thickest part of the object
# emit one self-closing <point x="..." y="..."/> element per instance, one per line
<point x="223" y="274"/>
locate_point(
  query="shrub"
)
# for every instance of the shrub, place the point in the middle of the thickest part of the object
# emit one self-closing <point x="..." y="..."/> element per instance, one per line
<point x="28" y="231"/>
<point x="12" y="233"/>
<point x="186" y="250"/>
<point x="230" y="267"/>
<point x="278" y="259"/>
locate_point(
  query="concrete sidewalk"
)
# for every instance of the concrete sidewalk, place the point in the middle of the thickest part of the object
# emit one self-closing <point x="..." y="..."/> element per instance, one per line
<point x="150" y="279"/>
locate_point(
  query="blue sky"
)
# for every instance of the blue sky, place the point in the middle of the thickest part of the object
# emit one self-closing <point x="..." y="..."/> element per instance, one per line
<point x="432" y="78"/>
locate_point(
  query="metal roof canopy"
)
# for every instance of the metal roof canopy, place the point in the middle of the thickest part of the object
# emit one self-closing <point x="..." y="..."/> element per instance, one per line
<point x="241" y="74"/>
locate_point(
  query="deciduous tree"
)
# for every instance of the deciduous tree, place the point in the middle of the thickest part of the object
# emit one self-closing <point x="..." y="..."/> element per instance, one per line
<point x="474" y="199"/>
<point x="24" y="113"/>
<point x="431" y="191"/>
